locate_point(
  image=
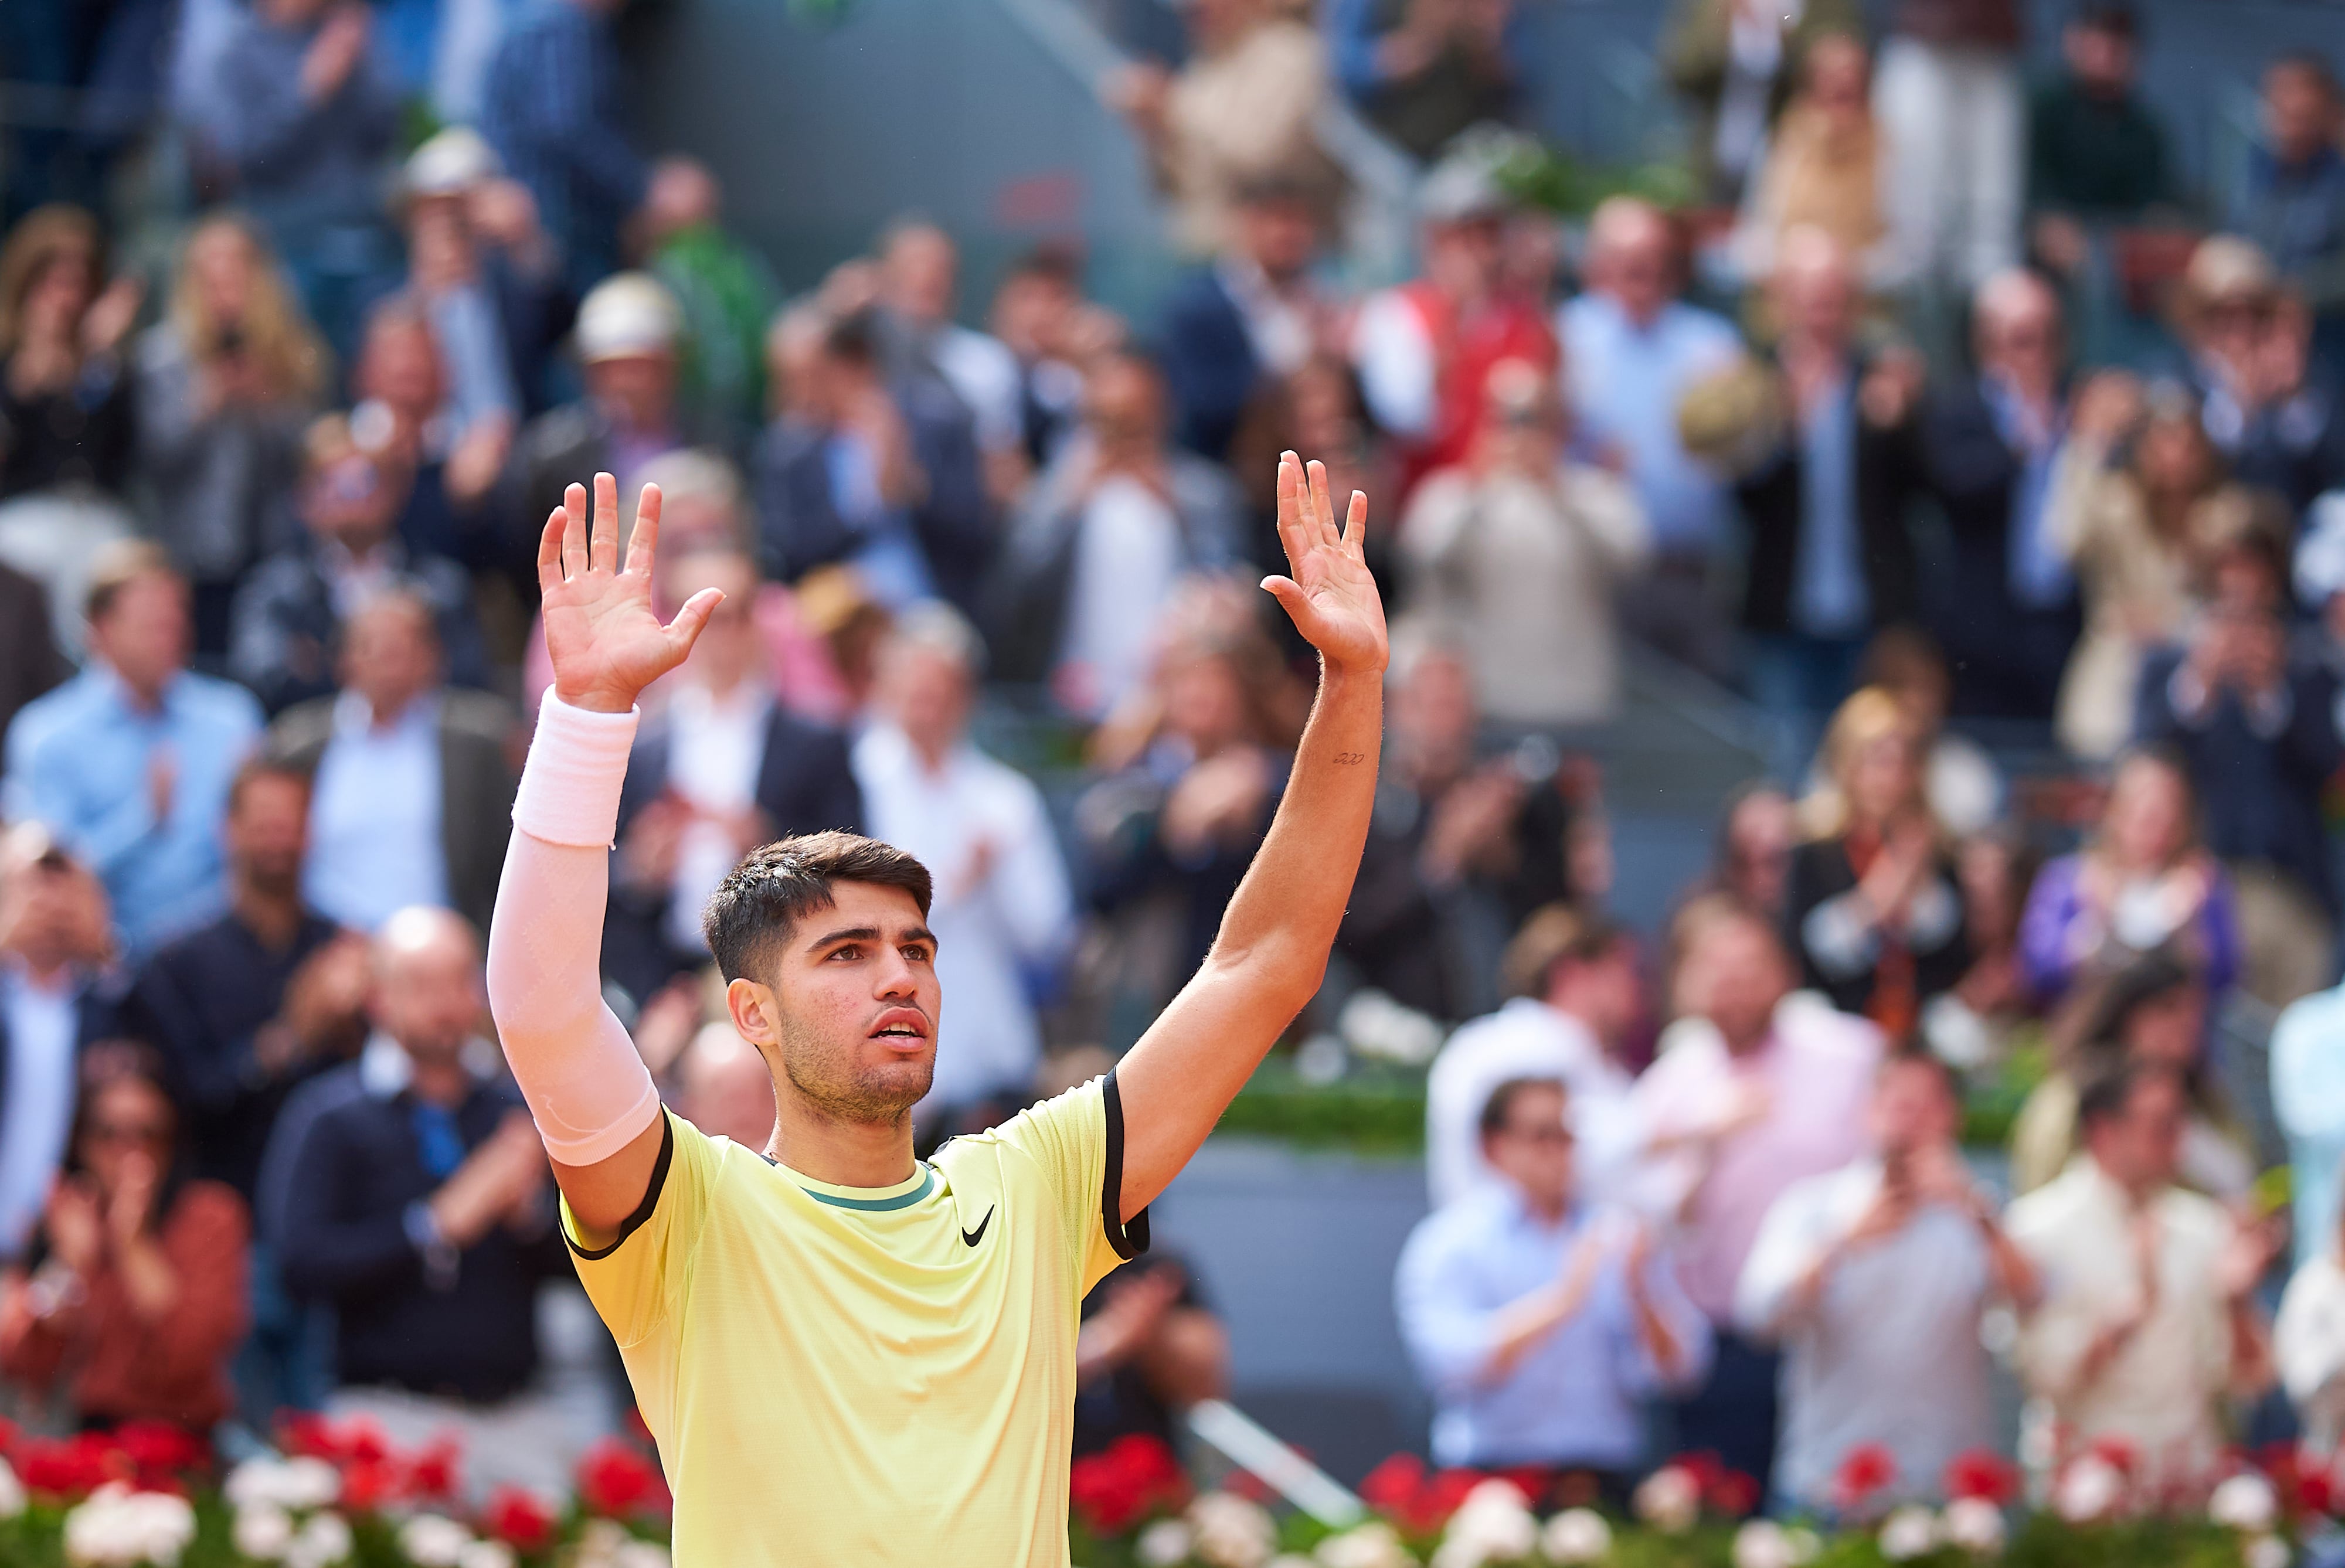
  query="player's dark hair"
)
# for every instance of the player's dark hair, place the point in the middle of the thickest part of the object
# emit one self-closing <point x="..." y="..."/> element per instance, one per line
<point x="1502" y="1103"/>
<point x="776" y="886"/>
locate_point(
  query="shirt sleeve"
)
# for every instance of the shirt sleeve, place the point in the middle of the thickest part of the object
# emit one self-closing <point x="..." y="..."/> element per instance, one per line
<point x="636" y="1277"/>
<point x="1077" y="1140"/>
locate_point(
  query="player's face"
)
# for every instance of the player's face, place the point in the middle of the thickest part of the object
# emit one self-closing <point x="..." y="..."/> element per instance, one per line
<point x="854" y="1004"/>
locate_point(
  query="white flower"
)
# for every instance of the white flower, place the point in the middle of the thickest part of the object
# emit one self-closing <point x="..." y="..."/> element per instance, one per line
<point x="2266" y="1552"/>
<point x="1375" y="1544"/>
<point x="434" y="1541"/>
<point x="324" y="1540"/>
<point x="11" y="1492"/>
<point x="2244" y="1501"/>
<point x="1289" y="1560"/>
<point x="485" y="1555"/>
<point x="1763" y="1544"/>
<point x="115" y="1525"/>
<point x="2091" y="1488"/>
<point x="1576" y="1536"/>
<point x="295" y="1484"/>
<point x="1670" y="1499"/>
<point x="1975" y="1524"/>
<point x="1163" y="1544"/>
<point x="1232" y="1532"/>
<point x="640" y="1554"/>
<point x="1494" y="1524"/>
<point x="262" y="1531"/>
<point x="1908" y="1532"/>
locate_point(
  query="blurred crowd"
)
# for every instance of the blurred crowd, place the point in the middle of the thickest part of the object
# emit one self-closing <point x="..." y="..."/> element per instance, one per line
<point x="1946" y="417"/>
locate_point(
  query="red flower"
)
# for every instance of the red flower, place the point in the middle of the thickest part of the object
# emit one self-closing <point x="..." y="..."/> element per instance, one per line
<point x="1732" y="1493"/>
<point x="1132" y="1477"/>
<point x="1391" y="1488"/>
<point x="7" y="1437"/>
<point x="71" y="1467"/>
<point x="1865" y="1471"/>
<point x="616" y="1483"/>
<point x="2117" y="1454"/>
<point x="368" y="1484"/>
<point x="1983" y="1475"/>
<point x="518" y="1519"/>
<point x="156" y="1449"/>
<point x="304" y="1433"/>
<point x="431" y="1474"/>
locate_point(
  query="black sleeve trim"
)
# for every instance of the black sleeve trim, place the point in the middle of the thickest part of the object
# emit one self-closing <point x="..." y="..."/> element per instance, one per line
<point x="1129" y="1239"/>
<point x="635" y="1221"/>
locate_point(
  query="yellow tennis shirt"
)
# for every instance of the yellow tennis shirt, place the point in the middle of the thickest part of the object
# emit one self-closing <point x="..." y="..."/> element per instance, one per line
<point x="869" y="1375"/>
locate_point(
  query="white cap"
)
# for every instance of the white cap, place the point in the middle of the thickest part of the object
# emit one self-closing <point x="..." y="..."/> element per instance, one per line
<point x="627" y="313"/>
<point x="450" y="163"/>
<point x="2320" y="557"/>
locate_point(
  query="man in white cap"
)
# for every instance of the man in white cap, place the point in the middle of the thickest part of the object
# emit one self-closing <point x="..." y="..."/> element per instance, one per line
<point x="628" y="335"/>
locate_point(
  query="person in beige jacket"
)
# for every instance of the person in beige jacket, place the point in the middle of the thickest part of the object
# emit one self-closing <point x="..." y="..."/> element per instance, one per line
<point x="1517" y="556"/>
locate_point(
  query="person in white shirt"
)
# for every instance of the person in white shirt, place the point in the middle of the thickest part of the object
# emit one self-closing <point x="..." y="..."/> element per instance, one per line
<point x="1002" y="912"/>
<point x="1873" y="1279"/>
<point x="1583" y="995"/>
<point x="920" y="277"/>
<point x="2147" y="1324"/>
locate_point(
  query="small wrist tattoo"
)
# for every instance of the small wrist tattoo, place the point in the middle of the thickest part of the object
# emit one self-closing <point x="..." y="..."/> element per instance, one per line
<point x="1350" y="759"/>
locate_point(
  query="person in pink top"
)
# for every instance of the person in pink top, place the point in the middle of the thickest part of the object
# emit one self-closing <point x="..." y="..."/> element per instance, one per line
<point x="1774" y="1090"/>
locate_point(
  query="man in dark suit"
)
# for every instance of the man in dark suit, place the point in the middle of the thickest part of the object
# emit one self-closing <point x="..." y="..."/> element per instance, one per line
<point x="1249" y="318"/>
<point x="2006" y="612"/>
<point x="414" y="779"/>
<point x="718" y="768"/>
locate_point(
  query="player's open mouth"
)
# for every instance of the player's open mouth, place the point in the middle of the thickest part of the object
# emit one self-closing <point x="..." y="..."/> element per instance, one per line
<point x="902" y="1027"/>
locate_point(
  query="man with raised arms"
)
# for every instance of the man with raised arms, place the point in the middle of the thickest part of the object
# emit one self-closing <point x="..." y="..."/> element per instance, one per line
<point x="849" y="1356"/>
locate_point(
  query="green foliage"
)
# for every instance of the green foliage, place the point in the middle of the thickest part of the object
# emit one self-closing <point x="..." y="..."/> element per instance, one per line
<point x="1542" y="175"/>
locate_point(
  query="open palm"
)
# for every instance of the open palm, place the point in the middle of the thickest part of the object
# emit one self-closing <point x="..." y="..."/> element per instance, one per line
<point x="605" y="641"/>
<point x="1331" y="597"/>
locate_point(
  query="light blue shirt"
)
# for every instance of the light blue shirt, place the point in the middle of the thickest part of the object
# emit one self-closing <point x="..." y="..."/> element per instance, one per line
<point x="1829" y="598"/>
<point x="42" y="1031"/>
<point x="375" y="846"/>
<point x="81" y="759"/>
<point x="1576" y="1398"/>
<point x="2038" y="572"/>
<point x="1624" y="382"/>
<point x="2307" y="1089"/>
<point x="892" y="565"/>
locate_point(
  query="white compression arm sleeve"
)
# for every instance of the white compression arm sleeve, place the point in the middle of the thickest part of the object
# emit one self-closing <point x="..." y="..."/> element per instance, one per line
<point x="586" y="1085"/>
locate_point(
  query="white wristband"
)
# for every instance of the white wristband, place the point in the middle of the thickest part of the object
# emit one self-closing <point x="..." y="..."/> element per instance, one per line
<point x="577" y="765"/>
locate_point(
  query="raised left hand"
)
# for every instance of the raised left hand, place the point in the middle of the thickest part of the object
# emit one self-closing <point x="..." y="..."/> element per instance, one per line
<point x="1331" y="597"/>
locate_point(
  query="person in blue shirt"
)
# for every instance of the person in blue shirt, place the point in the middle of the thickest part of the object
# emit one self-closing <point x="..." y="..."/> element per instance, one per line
<point x="2292" y="202"/>
<point x="1541" y="1324"/>
<point x="129" y="762"/>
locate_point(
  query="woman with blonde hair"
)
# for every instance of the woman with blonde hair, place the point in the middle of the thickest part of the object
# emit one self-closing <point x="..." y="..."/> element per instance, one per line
<point x="1876" y="910"/>
<point x="227" y="382"/>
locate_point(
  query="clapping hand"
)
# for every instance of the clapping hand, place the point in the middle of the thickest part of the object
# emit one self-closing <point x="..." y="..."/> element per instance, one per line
<point x="605" y="643"/>
<point x="1331" y="597"/>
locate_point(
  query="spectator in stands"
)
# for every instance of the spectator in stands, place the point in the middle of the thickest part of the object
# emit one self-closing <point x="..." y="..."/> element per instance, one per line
<point x="2147" y="1323"/>
<point x="1831" y="558"/>
<point x="414" y="780"/>
<point x="57" y="1000"/>
<point x="2142" y="883"/>
<point x="1541" y="1323"/>
<point x="2256" y="728"/>
<point x="1631" y="349"/>
<point x="2292" y="202"/>
<point x="919" y="282"/>
<point x="2250" y="343"/>
<point x="2096" y="153"/>
<point x="1827" y="168"/>
<point x="1425" y="349"/>
<point x="64" y="399"/>
<point x="453" y="510"/>
<point x="1953" y="117"/>
<point x="1421" y="71"/>
<point x="1517" y="555"/>
<point x="1040" y="315"/>
<point x="30" y="663"/>
<point x="1735" y="61"/>
<point x="1004" y="918"/>
<point x="1151" y="1346"/>
<point x="569" y="147"/>
<point x="2308" y="1336"/>
<point x="291" y="614"/>
<point x="227" y="383"/>
<point x="2151" y="1014"/>
<point x="1249" y="321"/>
<point x="1317" y="409"/>
<point x="725" y="292"/>
<point x="883" y="474"/>
<point x="1757" y="832"/>
<point x="1873" y="1279"/>
<point x="2307" y="1099"/>
<point x="129" y="762"/>
<point x="1731" y="1116"/>
<point x="1989" y="448"/>
<point x="417" y="1204"/>
<point x="1102" y="539"/>
<point x="719" y="768"/>
<point x="306" y="115"/>
<point x="447" y="279"/>
<point x="1874" y="906"/>
<point x="2123" y="508"/>
<point x="1960" y="779"/>
<point x="1580" y="994"/>
<point x="724" y="1089"/>
<point x="133" y="1296"/>
<point x="627" y="344"/>
<point x="1244" y="106"/>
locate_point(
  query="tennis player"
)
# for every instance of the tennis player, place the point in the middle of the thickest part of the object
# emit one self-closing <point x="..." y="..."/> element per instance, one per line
<point x="847" y="1355"/>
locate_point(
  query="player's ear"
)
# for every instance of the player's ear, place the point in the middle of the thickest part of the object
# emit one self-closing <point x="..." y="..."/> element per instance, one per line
<point x="757" y="1015"/>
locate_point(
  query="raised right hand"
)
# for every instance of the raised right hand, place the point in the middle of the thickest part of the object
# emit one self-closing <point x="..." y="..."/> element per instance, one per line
<point x="605" y="643"/>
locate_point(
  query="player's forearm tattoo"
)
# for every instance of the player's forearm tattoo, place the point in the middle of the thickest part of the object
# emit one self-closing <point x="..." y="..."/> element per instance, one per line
<point x="1350" y="759"/>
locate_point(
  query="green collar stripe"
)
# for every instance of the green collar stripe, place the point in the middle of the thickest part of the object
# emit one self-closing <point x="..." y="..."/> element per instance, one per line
<point x="879" y="1205"/>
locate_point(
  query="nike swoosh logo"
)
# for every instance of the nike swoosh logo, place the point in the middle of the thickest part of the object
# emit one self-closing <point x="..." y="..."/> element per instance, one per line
<point x="973" y="1237"/>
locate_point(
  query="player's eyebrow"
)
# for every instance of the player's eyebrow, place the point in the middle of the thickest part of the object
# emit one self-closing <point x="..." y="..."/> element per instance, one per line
<point x="869" y="934"/>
